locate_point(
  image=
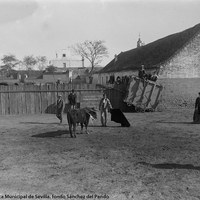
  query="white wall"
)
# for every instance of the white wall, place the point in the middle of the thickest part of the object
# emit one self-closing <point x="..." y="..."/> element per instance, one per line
<point x="65" y="63"/>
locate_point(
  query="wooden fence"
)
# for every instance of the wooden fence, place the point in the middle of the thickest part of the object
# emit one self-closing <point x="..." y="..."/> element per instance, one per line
<point x="35" y="99"/>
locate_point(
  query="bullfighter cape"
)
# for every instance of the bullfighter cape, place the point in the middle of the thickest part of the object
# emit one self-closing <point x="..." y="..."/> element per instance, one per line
<point x="118" y="117"/>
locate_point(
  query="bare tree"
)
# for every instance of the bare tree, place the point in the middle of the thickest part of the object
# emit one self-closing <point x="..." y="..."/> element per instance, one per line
<point x="41" y="61"/>
<point x="29" y="62"/>
<point x="93" y="51"/>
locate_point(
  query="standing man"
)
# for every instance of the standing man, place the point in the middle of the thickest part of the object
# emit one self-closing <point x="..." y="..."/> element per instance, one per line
<point x="60" y="106"/>
<point x="72" y="99"/>
<point x="196" y="116"/>
<point x="104" y="106"/>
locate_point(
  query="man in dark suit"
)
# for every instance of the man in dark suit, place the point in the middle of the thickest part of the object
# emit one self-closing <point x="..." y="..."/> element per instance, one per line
<point x="196" y="116"/>
<point x="72" y="99"/>
<point x="60" y="107"/>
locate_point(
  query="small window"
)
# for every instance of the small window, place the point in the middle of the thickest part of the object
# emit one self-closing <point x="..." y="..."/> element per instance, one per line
<point x="64" y="65"/>
<point x="64" y="55"/>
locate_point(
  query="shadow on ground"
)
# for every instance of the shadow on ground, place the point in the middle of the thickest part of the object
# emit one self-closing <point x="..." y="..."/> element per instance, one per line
<point x="174" y="122"/>
<point x="51" y="134"/>
<point x="171" y="166"/>
<point x="38" y="123"/>
<point x="117" y="126"/>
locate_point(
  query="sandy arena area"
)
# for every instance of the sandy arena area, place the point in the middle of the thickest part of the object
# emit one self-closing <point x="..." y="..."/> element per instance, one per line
<point x="157" y="158"/>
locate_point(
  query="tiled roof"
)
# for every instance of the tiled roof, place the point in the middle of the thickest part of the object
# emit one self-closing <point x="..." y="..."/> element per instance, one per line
<point x="153" y="53"/>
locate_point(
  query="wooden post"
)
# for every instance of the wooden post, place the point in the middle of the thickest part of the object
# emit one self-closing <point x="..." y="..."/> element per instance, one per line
<point x="150" y="94"/>
<point x="157" y="97"/>
<point x="143" y="92"/>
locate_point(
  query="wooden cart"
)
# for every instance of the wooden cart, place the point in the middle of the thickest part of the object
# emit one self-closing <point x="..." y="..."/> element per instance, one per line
<point x="144" y="95"/>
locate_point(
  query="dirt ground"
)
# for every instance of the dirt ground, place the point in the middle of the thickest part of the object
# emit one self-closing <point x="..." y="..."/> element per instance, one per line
<point x="157" y="158"/>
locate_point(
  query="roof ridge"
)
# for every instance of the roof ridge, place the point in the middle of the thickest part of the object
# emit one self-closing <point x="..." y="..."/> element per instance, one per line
<point x="184" y="45"/>
<point x="154" y="53"/>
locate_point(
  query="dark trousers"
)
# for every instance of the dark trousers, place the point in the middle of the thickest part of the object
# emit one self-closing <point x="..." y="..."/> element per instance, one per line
<point x="59" y="116"/>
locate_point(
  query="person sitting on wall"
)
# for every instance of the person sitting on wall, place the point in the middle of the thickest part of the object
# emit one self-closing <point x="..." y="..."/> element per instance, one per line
<point x="148" y="77"/>
<point x="142" y="73"/>
<point x="154" y="77"/>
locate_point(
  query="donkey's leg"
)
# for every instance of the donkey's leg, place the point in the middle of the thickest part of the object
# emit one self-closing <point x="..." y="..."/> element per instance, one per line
<point x="70" y="130"/>
<point x="81" y="128"/>
<point x="86" y="125"/>
<point x="74" y="130"/>
<point x="86" y="130"/>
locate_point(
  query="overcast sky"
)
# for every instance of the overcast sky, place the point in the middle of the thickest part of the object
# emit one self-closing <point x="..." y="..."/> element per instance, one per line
<point x="44" y="27"/>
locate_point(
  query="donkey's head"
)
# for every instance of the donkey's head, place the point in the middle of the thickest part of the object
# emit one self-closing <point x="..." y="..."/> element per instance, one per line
<point x="93" y="113"/>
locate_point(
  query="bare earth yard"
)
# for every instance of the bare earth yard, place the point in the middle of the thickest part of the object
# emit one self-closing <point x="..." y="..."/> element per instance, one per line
<point x="157" y="158"/>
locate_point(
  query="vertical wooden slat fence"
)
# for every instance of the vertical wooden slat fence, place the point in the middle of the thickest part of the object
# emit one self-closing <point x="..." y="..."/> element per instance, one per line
<point x="38" y="99"/>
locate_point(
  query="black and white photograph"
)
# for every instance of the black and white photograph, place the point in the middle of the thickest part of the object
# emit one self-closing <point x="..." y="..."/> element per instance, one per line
<point x="100" y="99"/>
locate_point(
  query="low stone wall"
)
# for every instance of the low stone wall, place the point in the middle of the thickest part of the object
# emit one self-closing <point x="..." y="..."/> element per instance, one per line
<point x="179" y="92"/>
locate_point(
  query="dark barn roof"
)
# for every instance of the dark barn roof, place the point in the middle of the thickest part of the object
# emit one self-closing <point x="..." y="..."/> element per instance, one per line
<point x="152" y="54"/>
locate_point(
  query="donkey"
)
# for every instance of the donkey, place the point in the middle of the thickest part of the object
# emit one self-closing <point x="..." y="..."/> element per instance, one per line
<point x="82" y="116"/>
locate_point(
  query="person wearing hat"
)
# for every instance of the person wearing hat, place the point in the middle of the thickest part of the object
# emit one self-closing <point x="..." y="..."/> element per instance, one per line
<point x="142" y="74"/>
<point x="60" y="106"/>
<point x="196" y="116"/>
<point x="72" y="99"/>
<point x="104" y="106"/>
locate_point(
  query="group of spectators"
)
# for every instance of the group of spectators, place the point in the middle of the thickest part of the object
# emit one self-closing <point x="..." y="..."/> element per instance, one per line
<point x="119" y="80"/>
<point x="147" y="77"/>
<point x="141" y="74"/>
